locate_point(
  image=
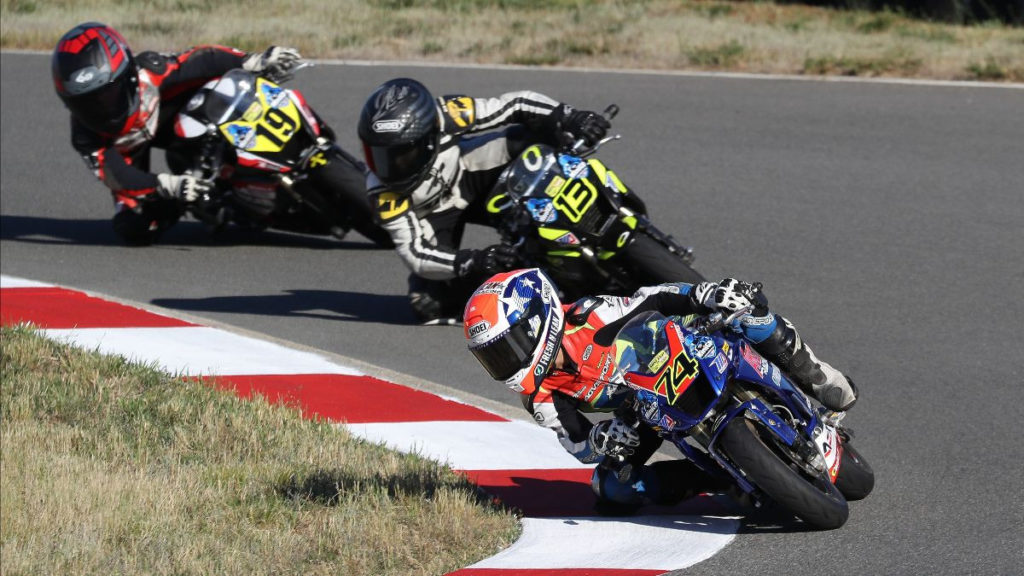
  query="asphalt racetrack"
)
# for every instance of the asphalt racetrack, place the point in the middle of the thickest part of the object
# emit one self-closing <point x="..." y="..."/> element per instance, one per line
<point x="885" y="220"/>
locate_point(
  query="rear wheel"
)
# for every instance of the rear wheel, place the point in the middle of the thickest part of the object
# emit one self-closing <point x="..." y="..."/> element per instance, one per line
<point x="856" y="478"/>
<point x="812" y="498"/>
<point x="652" y="263"/>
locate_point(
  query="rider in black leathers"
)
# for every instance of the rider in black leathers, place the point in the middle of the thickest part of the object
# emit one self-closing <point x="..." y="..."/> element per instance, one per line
<point x="431" y="175"/>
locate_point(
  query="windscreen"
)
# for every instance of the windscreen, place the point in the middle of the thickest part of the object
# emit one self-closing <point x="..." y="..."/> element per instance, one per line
<point x="231" y="98"/>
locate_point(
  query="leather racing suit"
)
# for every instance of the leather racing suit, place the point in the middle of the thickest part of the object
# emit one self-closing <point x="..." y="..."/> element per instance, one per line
<point x="587" y="382"/>
<point x="121" y="161"/>
<point x="427" y="224"/>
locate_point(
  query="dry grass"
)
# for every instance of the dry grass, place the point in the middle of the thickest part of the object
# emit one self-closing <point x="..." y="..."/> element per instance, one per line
<point x="753" y="36"/>
<point x="114" y="468"/>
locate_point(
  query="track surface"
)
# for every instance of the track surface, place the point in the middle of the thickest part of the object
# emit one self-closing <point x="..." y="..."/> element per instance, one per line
<point x="884" y="220"/>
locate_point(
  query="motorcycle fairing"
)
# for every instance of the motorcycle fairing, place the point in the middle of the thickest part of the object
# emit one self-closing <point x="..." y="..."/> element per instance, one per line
<point x="683" y="361"/>
<point x="311" y="121"/>
<point x="578" y="193"/>
<point x="269" y="121"/>
<point x="831" y="447"/>
<point x="752" y="367"/>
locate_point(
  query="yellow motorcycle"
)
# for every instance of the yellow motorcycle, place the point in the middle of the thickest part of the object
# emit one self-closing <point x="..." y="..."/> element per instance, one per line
<point x="275" y="162"/>
<point x="571" y="215"/>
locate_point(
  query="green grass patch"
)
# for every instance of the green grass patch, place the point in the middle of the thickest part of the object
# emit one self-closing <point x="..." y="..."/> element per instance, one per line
<point x="994" y="70"/>
<point x="785" y="38"/>
<point x="877" y="23"/>
<point x="114" y="467"/>
<point x="719" y="56"/>
<point x="896" y="64"/>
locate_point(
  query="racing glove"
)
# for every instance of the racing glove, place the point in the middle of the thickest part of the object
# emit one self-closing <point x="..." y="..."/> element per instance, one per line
<point x="491" y="260"/>
<point x="276" y="63"/>
<point x="730" y="295"/>
<point x="186" y="188"/>
<point x="590" y="126"/>
<point x="614" y="438"/>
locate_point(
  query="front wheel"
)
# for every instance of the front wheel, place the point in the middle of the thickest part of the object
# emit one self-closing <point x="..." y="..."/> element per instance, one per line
<point x="652" y="263"/>
<point x="345" y="180"/>
<point x="814" y="500"/>
<point x="856" y="478"/>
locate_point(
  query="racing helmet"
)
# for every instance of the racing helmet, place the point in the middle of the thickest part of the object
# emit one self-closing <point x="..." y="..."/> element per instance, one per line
<point x="400" y="130"/>
<point x="95" y="76"/>
<point x="514" y="324"/>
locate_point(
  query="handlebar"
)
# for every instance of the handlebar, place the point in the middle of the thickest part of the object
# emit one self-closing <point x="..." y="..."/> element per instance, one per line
<point x="716" y="322"/>
<point x="290" y="73"/>
<point x="579" y="148"/>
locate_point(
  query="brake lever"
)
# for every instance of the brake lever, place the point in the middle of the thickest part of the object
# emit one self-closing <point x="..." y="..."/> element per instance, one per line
<point x="715" y="320"/>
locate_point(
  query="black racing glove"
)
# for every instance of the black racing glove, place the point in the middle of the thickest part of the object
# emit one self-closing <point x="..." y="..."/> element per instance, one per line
<point x="590" y="126"/>
<point x="491" y="260"/>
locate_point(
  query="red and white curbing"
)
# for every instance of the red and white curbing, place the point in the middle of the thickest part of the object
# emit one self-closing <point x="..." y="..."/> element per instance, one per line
<point x="515" y="460"/>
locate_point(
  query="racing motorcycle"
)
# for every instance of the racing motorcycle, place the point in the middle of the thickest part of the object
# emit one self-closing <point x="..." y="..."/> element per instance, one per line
<point x="275" y="164"/>
<point x="567" y="213"/>
<point x="735" y="415"/>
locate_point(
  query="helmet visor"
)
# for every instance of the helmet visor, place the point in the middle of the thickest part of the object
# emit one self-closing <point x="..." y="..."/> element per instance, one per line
<point x="402" y="163"/>
<point x="107" y="108"/>
<point x="512" y="351"/>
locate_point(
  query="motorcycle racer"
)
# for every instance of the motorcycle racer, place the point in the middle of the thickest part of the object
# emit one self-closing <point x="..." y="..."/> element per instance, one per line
<point x="431" y="172"/>
<point x="123" y="104"/>
<point x="560" y="359"/>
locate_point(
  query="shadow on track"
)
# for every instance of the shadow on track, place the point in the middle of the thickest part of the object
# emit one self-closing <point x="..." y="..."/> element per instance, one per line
<point x="85" y="232"/>
<point x="318" y="304"/>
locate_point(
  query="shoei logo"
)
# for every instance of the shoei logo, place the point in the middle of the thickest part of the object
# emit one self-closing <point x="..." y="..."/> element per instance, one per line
<point x="478" y="328"/>
<point x="85" y="76"/>
<point x="388" y="126"/>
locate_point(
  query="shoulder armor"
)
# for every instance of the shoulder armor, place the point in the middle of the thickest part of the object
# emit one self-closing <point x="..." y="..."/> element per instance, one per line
<point x="459" y="112"/>
<point x="389" y="205"/>
<point x="580" y="310"/>
<point x="152" y="61"/>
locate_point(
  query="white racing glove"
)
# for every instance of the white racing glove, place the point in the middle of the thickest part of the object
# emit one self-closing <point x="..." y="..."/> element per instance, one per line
<point x="729" y="295"/>
<point x="277" y="63"/>
<point x="614" y="438"/>
<point x="184" y="187"/>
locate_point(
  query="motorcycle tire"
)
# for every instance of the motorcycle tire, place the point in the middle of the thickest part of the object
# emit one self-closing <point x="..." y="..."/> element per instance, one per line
<point x="652" y="263"/>
<point x="347" y="181"/>
<point x="856" y="478"/>
<point x="816" y="501"/>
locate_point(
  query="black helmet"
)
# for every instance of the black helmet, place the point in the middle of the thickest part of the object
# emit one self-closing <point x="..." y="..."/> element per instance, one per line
<point x="94" y="74"/>
<point x="399" y="128"/>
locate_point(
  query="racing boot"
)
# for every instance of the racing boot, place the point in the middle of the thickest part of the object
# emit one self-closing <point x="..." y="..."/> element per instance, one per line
<point x="431" y="303"/>
<point x="786" y="349"/>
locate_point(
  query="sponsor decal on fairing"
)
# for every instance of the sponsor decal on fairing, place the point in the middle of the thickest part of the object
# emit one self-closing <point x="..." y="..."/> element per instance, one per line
<point x="754" y="359"/>
<point x="573" y="167"/>
<point x="568" y="238"/>
<point x="542" y="210"/>
<point x="721" y="363"/>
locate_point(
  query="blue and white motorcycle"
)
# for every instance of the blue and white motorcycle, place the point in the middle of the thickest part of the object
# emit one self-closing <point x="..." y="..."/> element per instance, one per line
<point x="735" y="415"/>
